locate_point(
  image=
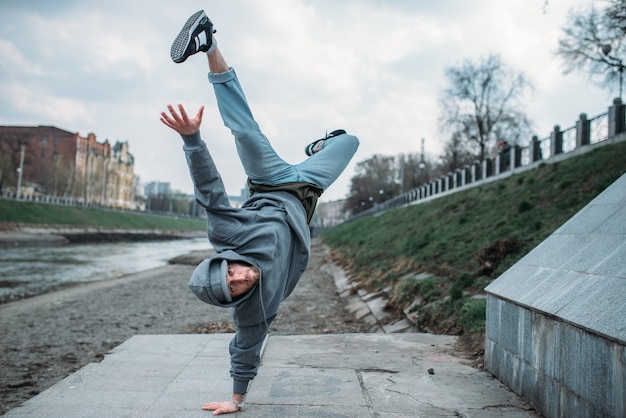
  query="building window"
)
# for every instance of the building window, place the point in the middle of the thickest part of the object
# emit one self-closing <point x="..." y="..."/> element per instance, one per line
<point x="44" y="141"/>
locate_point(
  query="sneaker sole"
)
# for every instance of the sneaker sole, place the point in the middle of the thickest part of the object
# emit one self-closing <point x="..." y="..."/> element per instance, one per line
<point x="177" y="52"/>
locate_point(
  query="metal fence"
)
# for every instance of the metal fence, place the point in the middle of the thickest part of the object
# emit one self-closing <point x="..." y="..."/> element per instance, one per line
<point x="562" y="143"/>
<point x="194" y="210"/>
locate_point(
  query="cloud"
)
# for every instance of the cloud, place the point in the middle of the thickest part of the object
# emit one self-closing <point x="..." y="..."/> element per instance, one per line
<point x="59" y="111"/>
<point x="372" y="67"/>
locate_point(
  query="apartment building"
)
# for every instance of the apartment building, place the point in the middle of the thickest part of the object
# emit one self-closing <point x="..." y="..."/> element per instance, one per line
<point x="59" y="163"/>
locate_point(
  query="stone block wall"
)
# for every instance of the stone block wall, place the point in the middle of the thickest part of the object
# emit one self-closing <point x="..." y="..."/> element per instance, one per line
<point x="560" y="369"/>
<point x="556" y="320"/>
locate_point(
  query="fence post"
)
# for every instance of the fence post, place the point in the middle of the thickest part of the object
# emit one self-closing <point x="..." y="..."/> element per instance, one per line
<point x="536" y="150"/>
<point x="583" y="131"/>
<point x="516" y="156"/>
<point x="490" y="167"/>
<point x="476" y="171"/>
<point x="556" y="141"/>
<point x="616" y="118"/>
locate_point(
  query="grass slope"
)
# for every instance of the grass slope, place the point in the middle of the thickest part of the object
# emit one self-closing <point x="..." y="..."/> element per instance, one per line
<point x="39" y="214"/>
<point x="465" y="240"/>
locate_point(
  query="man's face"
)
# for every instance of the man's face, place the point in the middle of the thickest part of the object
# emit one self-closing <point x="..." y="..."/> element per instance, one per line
<point x="241" y="278"/>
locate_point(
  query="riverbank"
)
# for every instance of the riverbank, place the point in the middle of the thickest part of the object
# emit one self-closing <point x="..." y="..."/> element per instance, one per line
<point x="47" y="337"/>
<point x="20" y="214"/>
<point x="30" y="236"/>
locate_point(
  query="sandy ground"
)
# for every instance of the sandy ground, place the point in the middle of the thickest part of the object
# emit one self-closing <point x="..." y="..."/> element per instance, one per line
<point x="46" y="338"/>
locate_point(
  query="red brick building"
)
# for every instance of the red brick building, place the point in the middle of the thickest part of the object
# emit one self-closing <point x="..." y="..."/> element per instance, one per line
<point x="64" y="164"/>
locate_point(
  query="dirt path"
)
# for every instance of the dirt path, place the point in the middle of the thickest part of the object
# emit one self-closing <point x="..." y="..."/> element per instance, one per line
<point x="46" y="338"/>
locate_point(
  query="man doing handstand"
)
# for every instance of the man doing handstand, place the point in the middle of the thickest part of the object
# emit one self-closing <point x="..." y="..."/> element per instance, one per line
<point x="263" y="247"/>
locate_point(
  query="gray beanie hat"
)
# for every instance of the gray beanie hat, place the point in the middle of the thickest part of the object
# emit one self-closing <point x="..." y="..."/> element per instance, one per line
<point x="208" y="282"/>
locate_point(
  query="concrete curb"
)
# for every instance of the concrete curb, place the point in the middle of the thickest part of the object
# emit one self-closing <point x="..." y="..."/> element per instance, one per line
<point x="367" y="307"/>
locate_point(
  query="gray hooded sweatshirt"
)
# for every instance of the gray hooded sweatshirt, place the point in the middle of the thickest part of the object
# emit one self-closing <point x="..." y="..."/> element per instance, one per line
<point x="270" y="231"/>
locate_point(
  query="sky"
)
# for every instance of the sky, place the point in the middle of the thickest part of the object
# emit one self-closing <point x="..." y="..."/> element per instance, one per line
<point x="374" y="68"/>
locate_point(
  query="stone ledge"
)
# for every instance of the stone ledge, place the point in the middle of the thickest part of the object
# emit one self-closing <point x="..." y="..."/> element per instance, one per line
<point x="367" y="307"/>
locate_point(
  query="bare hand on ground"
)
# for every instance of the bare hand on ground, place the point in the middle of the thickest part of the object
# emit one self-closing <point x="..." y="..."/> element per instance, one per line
<point x="218" y="408"/>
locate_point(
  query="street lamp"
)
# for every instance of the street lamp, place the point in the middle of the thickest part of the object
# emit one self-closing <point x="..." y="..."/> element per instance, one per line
<point x="422" y="164"/>
<point x="20" y="172"/>
<point x="615" y="62"/>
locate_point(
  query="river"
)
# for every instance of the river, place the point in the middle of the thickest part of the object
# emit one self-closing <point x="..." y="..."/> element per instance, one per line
<point x="29" y="271"/>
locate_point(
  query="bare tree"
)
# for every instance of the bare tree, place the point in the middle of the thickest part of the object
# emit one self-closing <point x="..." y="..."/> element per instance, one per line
<point x="593" y="41"/>
<point x="484" y="104"/>
<point x="415" y="170"/>
<point x="616" y="13"/>
<point x="380" y="178"/>
<point x="374" y="182"/>
<point x="455" y="154"/>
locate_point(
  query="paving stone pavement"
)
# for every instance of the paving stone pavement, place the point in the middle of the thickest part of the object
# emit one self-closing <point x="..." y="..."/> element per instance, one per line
<point x="333" y="375"/>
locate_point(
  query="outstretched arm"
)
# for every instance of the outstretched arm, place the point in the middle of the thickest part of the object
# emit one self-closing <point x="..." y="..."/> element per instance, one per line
<point x="209" y="189"/>
<point x="181" y="123"/>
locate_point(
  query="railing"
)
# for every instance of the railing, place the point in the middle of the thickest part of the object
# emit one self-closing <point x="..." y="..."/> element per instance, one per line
<point x="42" y="198"/>
<point x="606" y="127"/>
<point x="70" y="201"/>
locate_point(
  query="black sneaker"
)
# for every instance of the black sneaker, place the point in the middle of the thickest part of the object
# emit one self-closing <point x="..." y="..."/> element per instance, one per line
<point x="195" y="36"/>
<point x="313" y="147"/>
